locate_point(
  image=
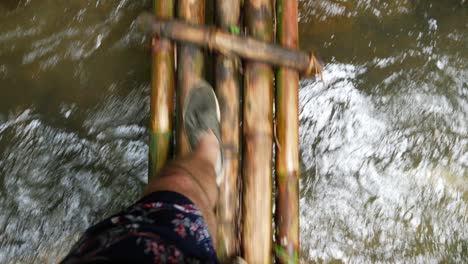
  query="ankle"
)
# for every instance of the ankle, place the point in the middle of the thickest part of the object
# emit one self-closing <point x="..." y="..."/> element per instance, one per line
<point x="208" y="148"/>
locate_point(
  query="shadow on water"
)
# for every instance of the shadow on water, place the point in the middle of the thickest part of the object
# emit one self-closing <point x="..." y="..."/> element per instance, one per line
<point x="383" y="139"/>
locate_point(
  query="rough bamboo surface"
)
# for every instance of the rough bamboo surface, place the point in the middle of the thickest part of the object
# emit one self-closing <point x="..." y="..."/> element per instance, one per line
<point x="245" y="47"/>
<point x="227" y="86"/>
<point x="258" y="131"/>
<point x="287" y="147"/>
<point x="162" y="93"/>
<point x="189" y="65"/>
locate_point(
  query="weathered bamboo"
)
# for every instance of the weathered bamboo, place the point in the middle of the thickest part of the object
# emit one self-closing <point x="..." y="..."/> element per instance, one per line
<point x="248" y="48"/>
<point x="189" y="64"/>
<point x="258" y="140"/>
<point x="227" y="88"/>
<point x="287" y="147"/>
<point x="162" y="93"/>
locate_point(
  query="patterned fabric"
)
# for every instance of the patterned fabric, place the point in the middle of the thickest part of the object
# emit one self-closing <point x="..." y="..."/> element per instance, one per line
<point x="163" y="227"/>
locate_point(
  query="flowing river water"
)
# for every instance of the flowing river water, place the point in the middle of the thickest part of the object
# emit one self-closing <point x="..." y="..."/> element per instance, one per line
<point x="383" y="138"/>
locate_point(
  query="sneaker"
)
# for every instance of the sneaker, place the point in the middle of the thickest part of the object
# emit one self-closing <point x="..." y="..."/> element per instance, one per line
<point x="200" y="114"/>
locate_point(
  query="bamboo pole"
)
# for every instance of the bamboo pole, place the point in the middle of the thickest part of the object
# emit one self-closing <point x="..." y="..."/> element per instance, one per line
<point x="227" y="87"/>
<point x="189" y="64"/>
<point x="258" y="130"/>
<point x="229" y="44"/>
<point x="162" y="93"/>
<point x="287" y="133"/>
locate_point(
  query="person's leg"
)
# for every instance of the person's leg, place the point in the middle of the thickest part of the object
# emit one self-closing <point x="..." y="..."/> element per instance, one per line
<point x="175" y="220"/>
<point x="194" y="177"/>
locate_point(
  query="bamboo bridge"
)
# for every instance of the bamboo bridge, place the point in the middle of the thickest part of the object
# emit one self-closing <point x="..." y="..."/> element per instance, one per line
<point x="254" y="58"/>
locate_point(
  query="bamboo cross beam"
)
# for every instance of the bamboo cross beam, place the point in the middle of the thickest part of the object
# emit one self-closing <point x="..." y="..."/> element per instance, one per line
<point x="244" y="47"/>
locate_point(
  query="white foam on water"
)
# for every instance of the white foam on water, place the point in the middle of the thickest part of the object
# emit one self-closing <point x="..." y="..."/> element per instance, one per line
<point x="373" y="179"/>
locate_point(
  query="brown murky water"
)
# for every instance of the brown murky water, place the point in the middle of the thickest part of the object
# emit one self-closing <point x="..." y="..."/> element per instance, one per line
<point x="384" y="139"/>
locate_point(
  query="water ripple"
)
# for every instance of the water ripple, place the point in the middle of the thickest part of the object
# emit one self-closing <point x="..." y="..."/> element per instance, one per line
<point x="72" y="179"/>
<point x="387" y="179"/>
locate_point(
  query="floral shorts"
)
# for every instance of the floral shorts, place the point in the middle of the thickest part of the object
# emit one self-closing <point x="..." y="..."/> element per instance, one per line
<point x="163" y="227"/>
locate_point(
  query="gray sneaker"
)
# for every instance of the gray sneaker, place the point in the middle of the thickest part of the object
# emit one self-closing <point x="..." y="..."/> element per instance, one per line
<point x="200" y="114"/>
